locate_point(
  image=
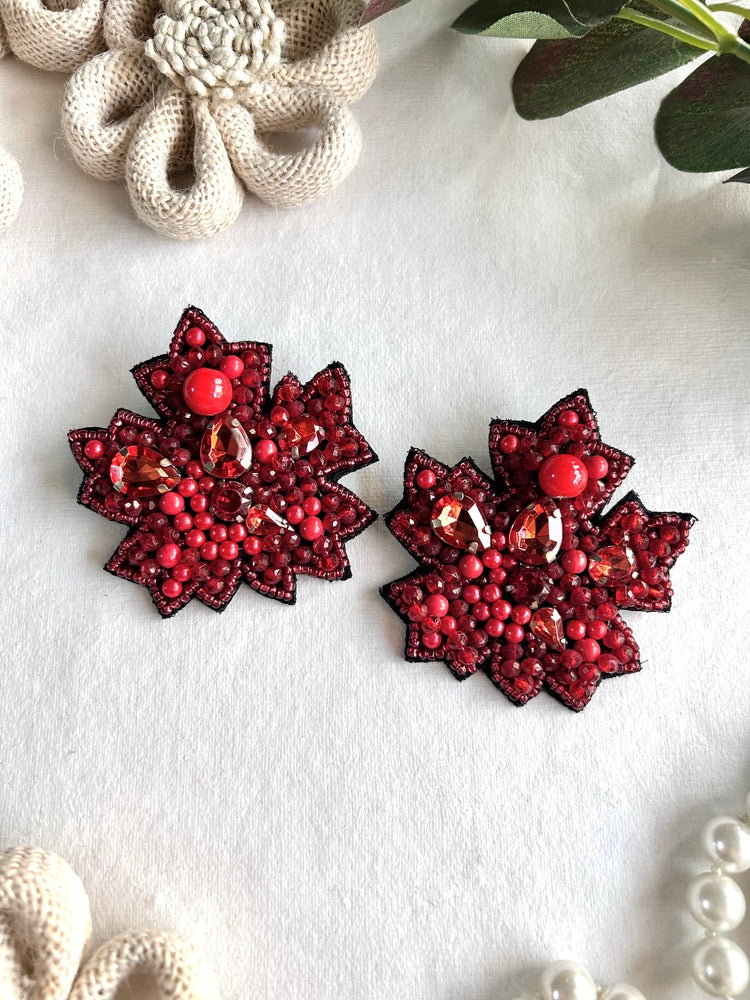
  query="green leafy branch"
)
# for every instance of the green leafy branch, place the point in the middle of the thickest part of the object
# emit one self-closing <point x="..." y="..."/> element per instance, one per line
<point x="589" y="49"/>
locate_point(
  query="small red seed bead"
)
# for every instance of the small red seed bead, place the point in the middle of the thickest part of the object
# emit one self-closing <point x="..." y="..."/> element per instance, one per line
<point x="232" y="366"/>
<point x="182" y="572"/>
<point x="203" y="521"/>
<point x="264" y="451"/>
<point x="311" y="528"/>
<point x="514" y="633"/>
<point x="437" y="605"/>
<point x="448" y="625"/>
<point x="431" y="640"/>
<point x="471" y="594"/>
<point x="499" y="540"/>
<point x="228" y="550"/>
<point x="597" y="466"/>
<point x="312" y="505"/>
<point x="481" y="611"/>
<point x="470" y="567"/>
<point x="568" y="418"/>
<point x="279" y="415"/>
<point x="520" y="614"/>
<point x="183" y="522"/>
<point x="596" y="629"/>
<point x="195" y="337"/>
<point x="426" y="479"/>
<point x="574" y="561"/>
<point x="607" y="663"/>
<point x="93" y="449"/>
<point x="563" y="475"/>
<point x="194" y="469"/>
<point x="501" y="610"/>
<point x="187" y="487"/>
<point x="209" y="551"/>
<point x="158" y="378"/>
<point x="218" y="532"/>
<point x="508" y="444"/>
<point x="252" y="545"/>
<point x="237" y="532"/>
<point x="199" y="503"/>
<point x="589" y="649"/>
<point x="168" y="555"/>
<point x="494" y="628"/>
<point x="195" y="538"/>
<point x="491" y="593"/>
<point x="171" y="588"/>
<point x="575" y="630"/>
<point x="207" y="391"/>
<point x="171" y="503"/>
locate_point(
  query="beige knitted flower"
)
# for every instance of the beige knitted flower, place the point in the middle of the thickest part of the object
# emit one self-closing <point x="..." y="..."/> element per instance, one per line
<point x="198" y="86"/>
<point x="44" y="933"/>
<point x="49" y="34"/>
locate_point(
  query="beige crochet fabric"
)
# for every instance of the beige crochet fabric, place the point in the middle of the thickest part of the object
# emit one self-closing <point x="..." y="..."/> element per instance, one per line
<point x="199" y="87"/>
<point x="44" y="931"/>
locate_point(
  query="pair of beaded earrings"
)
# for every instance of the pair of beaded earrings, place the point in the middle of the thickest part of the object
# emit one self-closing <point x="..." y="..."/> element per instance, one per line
<point x="523" y="575"/>
<point x="162" y="86"/>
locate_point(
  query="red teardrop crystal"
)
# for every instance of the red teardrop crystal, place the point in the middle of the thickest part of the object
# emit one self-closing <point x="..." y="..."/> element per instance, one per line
<point x="547" y="625"/>
<point x="536" y="534"/>
<point x="458" y="521"/>
<point x="226" y="451"/>
<point x="231" y="502"/>
<point x="261" y="520"/>
<point x="301" y="436"/>
<point x="137" y="471"/>
<point x="611" y="565"/>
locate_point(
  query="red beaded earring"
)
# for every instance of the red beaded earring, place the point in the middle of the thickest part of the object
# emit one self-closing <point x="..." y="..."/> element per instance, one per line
<point x="524" y="576"/>
<point x="228" y="485"/>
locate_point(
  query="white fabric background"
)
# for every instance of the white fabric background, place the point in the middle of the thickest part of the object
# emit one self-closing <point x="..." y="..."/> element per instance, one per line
<point x="323" y="819"/>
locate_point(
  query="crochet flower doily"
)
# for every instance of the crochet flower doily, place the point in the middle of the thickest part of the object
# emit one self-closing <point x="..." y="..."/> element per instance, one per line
<point x="197" y="86"/>
<point x="45" y="927"/>
<point x="55" y="35"/>
<point x="524" y="576"/>
<point x="229" y="484"/>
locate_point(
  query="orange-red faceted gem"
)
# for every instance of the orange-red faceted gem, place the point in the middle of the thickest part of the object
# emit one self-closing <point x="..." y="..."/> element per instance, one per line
<point x="563" y="476"/>
<point x="611" y="565"/>
<point x="207" y="391"/>
<point x="536" y="534"/>
<point x="261" y="520"/>
<point x="142" y="472"/>
<point x="458" y="521"/>
<point x="547" y="625"/>
<point x="231" y="501"/>
<point x="301" y="436"/>
<point x="226" y="451"/>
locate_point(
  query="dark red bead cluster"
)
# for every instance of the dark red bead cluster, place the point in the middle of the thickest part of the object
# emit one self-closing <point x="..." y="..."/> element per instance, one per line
<point x="228" y="485"/>
<point x="523" y="576"/>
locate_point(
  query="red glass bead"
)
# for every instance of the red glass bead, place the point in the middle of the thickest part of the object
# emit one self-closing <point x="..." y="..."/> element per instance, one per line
<point x="611" y="565"/>
<point x="528" y="586"/>
<point x="183" y="522"/>
<point x="589" y="650"/>
<point x="437" y="605"/>
<point x="168" y="555"/>
<point x="231" y="502"/>
<point x="93" y="449"/>
<point x="225" y="448"/>
<point x="228" y="550"/>
<point x="546" y="625"/>
<point x="508" y="444"/>
<point x="187" y="488"/>
<point x="575" y="630"/>
<point x="142" y="472"/>
<point x="501" y="610"/>
<point x="426" y="479"/>
<point x="494" y="628"/>
<point x="209" y="551"/>
<point x="171" y="503"/>
<point x="470" y="567"/>
<point x="171" y="588"/>
<point x="514" y="633"/>
<point x="574" y="561"/>
<point x="567" y="418"/>
<point x="311" y="528"/>
<point x="195" y="337"/>
<point x="265" y="450"/>
<point x="457" y="520"/>
<point x="194" y="538"/>
<point x="232" y="366"/>
<point x="203" y="521"/>
<point x="431" y="640"/>
<point x="262" y="521"/>
<point x="596" y="630"/>
<point x="207" y="391"/>
<point x="563" y="475"/>
<point x="536" y="534"/>
<point x="521" y="614"/>
<point x="597" y="466"/>
<point x="301" y="436"/>
<point x="158" y="378"/>
<point x="312" y="505"/>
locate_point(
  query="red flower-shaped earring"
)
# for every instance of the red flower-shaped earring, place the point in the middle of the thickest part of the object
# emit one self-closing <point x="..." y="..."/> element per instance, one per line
<point x="227" y="485"/>
<point x="523" y="576"/>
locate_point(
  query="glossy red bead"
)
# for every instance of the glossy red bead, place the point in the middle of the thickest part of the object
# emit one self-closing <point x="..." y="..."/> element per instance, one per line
<point x="431" y="640"/>
<point x="232" y="366"/>
<point x="437" y="605"/>
<point x="265" y="450"/>
<point x="597" y="466"/>
<point x="168" y="555"/>
<point x="470" y="567"/>
<point x="93" y="449"/>
<point x="563" y="476"/>
<point x="171" y="503"/>
<point x="589" y="650"/>
<point x="426" y="479"/>
<point x="195" y="337"/>
<point x="568" y="418"/>
<point x="171" y="588"/>
<point x="509" y="444"/>
<point x="207" y="391"/>
<point x="311" y="529"/>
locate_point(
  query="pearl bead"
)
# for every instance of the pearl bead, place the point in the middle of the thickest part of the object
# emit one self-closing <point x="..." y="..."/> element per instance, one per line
<point x="726" y="841"/>
<point x="567" y="981"/>
<point x="716" y="902"/>
<point x="621" y="991"/>
<point x="720" y="967"/>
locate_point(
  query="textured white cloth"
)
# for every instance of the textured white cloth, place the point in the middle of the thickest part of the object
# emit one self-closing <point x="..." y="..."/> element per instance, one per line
<point x="324" y="820"/>
<point x="201" y="94"/>
<point x="45" y="926"/>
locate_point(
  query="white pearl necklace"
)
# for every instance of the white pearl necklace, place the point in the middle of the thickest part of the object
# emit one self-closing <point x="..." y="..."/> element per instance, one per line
<point x="718" y="965"/>
<point x="571" y="981"/>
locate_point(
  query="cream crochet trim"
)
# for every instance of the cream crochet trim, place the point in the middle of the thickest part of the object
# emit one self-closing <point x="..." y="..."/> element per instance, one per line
<point x="200" y="86"/>
<point x="50" y="34"/>
<point x="44" y="934"/>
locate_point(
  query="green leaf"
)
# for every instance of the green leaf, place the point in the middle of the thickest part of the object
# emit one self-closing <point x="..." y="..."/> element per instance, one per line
<point x="376" y="8"/>
<point x="593" y="12"/>
<point x="560" y="76"/>
<point x="704" y="124"/>
<point x="743" y="177"/>
<point x="513" y="19"/>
